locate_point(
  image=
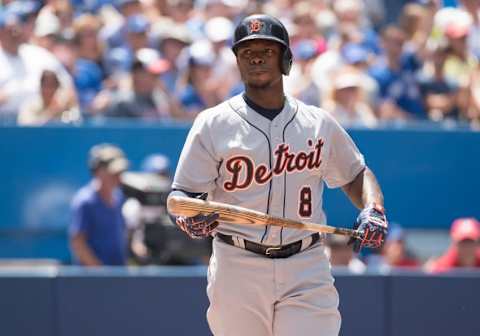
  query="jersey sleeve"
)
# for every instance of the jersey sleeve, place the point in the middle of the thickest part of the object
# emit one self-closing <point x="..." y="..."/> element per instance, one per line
<point x="344" y="161"/>
<point x="197" y="168"/>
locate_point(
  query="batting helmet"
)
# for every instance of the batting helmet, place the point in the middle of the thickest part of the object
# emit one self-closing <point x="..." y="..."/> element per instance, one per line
<point x="264" y="27"/>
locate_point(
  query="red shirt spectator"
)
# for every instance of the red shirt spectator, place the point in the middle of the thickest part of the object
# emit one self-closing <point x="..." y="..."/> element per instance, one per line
<point x="464" y="252"/>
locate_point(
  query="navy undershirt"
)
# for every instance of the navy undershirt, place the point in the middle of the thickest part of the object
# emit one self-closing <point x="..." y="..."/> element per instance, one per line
<point x="267" y="113"/>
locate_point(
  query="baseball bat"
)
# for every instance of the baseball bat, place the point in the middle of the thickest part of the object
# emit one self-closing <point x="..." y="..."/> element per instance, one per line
<point x="189" y="207"/>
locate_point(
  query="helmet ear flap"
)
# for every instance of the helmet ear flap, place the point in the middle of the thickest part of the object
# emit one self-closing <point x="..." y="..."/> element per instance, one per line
<point x="287" y="61"/>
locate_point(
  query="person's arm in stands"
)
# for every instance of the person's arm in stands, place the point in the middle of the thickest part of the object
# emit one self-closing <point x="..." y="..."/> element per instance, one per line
<point x="78" y="235"/>
<point x="82" y="251"/>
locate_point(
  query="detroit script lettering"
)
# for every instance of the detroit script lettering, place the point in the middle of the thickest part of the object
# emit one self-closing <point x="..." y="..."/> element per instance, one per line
<point x="244" y="171"/>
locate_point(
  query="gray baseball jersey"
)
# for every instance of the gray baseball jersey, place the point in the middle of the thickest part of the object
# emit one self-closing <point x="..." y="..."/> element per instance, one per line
<point x="276" y="167"/>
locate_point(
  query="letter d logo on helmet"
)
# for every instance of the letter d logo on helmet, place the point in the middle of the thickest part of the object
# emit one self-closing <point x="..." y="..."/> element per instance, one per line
<point x="264" y="27"/>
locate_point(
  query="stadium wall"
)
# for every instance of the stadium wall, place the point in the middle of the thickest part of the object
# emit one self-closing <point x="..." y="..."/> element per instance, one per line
<point x="172" y="301"/>
<point x="429" y="176"/>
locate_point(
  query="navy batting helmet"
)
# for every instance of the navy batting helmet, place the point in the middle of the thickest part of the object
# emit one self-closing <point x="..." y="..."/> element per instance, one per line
<point x="265" y="27"/>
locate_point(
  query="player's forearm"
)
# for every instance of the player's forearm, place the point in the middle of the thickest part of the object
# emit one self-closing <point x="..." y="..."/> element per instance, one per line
<point x="83" y="252"/>
<point x="364" y="189"/>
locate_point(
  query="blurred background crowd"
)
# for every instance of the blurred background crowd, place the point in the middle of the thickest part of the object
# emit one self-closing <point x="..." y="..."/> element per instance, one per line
<point x="120" y="218"/>
<point x="78" y="60"/>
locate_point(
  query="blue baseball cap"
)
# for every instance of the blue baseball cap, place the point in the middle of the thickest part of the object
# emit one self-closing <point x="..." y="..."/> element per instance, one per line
<point x="304" y="50"/>
<point x="354" y="53"/>
<point x="23" y="8"/>
<point x="137" y="24"/>
<point x="395" y="232"/>
<point x="8" y="17"/>
<point x="156" y="163"/>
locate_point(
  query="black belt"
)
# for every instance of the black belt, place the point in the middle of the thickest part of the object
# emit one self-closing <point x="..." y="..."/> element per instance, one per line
<point x="282" y="251"/>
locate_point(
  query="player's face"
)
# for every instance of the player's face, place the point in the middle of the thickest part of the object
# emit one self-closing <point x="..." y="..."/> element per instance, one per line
<point x="259" y="63"/>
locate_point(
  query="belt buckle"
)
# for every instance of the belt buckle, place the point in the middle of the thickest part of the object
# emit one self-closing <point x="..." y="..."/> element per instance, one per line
<point x="274" y="248"/>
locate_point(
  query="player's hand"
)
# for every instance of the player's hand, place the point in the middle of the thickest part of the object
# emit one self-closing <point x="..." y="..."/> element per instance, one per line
<point x="200" y="226"/>
<point x="372" y="222"/>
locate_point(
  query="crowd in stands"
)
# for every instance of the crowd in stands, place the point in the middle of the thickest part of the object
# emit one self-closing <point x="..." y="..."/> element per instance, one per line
<point x="71" y="61"/>
<point x="463" y="252"/>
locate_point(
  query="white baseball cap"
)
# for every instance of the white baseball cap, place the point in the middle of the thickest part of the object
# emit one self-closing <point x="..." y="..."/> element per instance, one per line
<point x="347" y="80"/>
<point x="219" y="29"/>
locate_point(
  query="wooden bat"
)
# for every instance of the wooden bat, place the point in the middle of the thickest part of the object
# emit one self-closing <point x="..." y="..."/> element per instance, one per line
<point x="189" y="207"/>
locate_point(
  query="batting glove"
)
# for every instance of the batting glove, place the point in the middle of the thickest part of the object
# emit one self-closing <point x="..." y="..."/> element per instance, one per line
<point x="199" y="226"/>
<point x="372" y="224"/>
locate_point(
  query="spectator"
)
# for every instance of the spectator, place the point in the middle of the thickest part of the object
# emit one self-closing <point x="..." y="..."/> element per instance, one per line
<point x="47" y="28"/>
<point x="359" y="58"/>
<point x="147" y="98"/>
<point x="113" y="32"/>
<point x="179" y="10"/>
<point x="89" y="71"/>
<point x="305" y="25"/>
<point x="351" y="13"/>
<point x="464" y="251"/>
<point x="395" y="75"/>
<point x="347" y="103"/>
<point x="395" y="253"/>
<point x="22" y="65"/>
<point x="473" y="8"/>
<point x="158" y="164"/>
<point x="460" y="61"/>
<point x="219" y="30"/>
<point x="172" y="39"/>
<point x="300" y="83"/>
<point x="415" y="22"/>
<point x="473" y="112"/>
<point x="199" y="90"/>
<point x="97" y="231"/>
<point x="62" y="9"/>
<point x="49" y="105"/>
<point x="215" y="8"/>
<point x="438" y="92"/>
<point x="341" y="255"/>
<point x="135" y="37"/>
<point x="28" y="11"/>
<point x="329" y="62"/>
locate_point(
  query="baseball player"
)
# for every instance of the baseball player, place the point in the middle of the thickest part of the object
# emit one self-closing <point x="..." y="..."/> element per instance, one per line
<point x="269" y="152"/>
